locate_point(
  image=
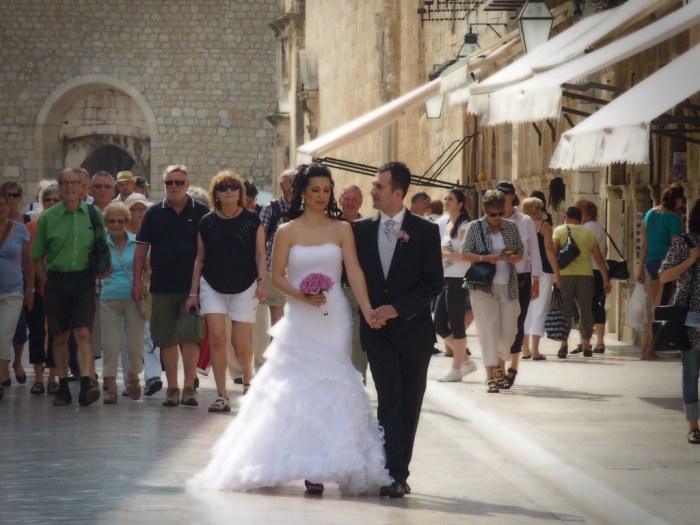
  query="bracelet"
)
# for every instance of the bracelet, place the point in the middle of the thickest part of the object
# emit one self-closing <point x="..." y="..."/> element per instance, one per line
<point x="194" y="295"/>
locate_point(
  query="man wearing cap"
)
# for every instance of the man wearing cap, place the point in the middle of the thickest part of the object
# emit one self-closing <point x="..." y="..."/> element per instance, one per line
<point x="529" y="271"/>
<point x="125" y="183"/>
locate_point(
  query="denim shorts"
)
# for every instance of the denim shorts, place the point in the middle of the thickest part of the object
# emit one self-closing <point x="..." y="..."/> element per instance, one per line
<point x="652" y="268"/>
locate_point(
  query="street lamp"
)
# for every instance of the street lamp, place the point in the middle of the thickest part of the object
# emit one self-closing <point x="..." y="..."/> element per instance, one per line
<point x="471" y="45"/>
<point x="433" y="106"/>
<point x="535" y="23"/>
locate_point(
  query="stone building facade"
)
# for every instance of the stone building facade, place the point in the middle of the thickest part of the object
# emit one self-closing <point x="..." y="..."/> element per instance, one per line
<point x="136" y="85"/>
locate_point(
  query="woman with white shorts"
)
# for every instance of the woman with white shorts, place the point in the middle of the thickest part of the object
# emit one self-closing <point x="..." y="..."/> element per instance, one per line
<point x="228" y="278"/>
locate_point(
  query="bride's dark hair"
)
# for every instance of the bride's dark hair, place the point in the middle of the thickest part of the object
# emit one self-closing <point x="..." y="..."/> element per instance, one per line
<point x="301" y="181"/>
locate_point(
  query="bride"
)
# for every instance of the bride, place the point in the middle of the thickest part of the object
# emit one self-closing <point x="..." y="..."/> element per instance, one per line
<point x="307" y="414"/>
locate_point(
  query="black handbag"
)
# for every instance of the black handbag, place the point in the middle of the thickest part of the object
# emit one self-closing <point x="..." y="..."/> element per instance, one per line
<point x="100" y="257"/>
<point x="617" y="269"/>
<point x="569" y="251"/>
<point x="480" y="273"/>
<point x="669" y="330"/>
<point x="555" y="324"/>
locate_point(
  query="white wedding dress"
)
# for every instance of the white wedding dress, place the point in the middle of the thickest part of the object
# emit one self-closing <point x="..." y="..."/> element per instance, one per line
<point x="307" y="413"/>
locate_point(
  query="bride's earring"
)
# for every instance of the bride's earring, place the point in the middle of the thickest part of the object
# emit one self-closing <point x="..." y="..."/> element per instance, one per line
<point x="302" y="203"/>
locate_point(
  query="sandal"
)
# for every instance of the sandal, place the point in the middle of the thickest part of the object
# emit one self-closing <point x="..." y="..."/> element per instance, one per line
<point x="510" y="376"/>
<point x="37" y="388"/>
<point x="694" y="437"/>
<point x="246" y="387"/>
<point x="220" y="405"/>
<point x="315" y="489"/>
<point x="52" y="388"/>
<point x="577" y="350"/>
<point x="493" y="387"/>
<point x="500" y="378"/>
<point x="540" y="357"/>
<point x="599" y="349"/>
<point x="529" y="356"/>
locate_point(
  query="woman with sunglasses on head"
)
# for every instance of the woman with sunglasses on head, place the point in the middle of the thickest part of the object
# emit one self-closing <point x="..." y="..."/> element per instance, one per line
<point x="494" y="240"/>
<point x="228" y="278"/>
<point x="120" y="314"/>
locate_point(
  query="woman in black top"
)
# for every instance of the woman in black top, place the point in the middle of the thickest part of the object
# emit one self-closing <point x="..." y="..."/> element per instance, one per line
<point x="228" y="278"/>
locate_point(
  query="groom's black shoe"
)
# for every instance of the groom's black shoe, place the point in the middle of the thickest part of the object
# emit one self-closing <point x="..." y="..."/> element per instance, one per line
<point x="395" y="490"/>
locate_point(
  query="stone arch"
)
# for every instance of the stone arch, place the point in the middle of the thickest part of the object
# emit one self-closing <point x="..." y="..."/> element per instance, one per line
<point x="50" y="149"/>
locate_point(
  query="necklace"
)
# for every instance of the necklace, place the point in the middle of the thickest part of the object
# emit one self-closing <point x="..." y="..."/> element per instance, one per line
<point x="236" y="213"/>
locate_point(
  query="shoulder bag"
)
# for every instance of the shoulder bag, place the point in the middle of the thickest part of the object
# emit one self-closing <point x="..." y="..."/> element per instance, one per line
<point x="617" y="269"/>
<point x="480" y="273"/>
<point x="100" y="258"/>
<point x="669" y="332"/>
<point x="555" y="324"/>
<point x="569" y="251"/>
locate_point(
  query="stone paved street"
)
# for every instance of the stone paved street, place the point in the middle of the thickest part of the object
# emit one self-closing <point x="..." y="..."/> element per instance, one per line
<point x="598" y="440"/>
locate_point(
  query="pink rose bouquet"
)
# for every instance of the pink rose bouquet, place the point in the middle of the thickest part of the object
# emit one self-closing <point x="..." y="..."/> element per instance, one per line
<point x="314" y="284"/>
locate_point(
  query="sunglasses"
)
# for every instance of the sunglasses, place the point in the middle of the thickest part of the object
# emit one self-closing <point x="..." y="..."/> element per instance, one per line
<point x="13" y="195"/>
<point x="496" y="214"/>
<point x="116" y="221"/>
<point x="102" y="187"/>
<point x="227" y="186"/>
<point x="176" y="182"/>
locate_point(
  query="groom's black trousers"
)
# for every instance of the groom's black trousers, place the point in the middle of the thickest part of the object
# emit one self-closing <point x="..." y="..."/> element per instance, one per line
<point x="400" y="379"/>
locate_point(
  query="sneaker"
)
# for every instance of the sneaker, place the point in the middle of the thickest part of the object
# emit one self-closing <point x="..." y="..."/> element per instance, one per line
<point x="63" y="397"/>
<point x="88" y="395"/>
<point x="172" y="397"/>
<point x="220" y="405"/>
<point x="452" y="376"/>
<point x="153" y="385"/>
<point x="189" y="397"/>
<point x="468" y="367"/>
<point x="588" y="353"/>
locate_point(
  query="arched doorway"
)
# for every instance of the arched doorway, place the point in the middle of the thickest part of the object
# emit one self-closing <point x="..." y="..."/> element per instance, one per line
<point x="112" y="160"/>
<point x="87" y="114"/>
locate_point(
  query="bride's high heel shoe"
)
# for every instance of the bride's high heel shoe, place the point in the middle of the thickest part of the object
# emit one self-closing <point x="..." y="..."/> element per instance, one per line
<point x="313" y="489"/>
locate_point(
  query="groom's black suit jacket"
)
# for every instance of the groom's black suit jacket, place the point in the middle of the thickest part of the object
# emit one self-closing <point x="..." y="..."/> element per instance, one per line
<point x="399" y="353"/>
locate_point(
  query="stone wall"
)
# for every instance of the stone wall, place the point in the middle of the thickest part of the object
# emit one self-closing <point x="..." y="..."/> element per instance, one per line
<point x="195" y="78"/>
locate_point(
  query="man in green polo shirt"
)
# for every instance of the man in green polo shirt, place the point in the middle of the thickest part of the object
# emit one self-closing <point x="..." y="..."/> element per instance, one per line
<point x="62" y="246"/>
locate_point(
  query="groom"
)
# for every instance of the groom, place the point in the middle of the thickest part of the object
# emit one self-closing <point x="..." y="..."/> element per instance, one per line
<point x="400" y="255"/>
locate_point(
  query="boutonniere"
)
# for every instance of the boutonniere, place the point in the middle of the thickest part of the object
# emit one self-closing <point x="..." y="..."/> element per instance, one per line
<point x="403" y="237"/>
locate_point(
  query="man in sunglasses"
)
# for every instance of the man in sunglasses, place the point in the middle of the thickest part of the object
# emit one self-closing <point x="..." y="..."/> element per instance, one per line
<point x="62" y="246"/>
<point x="169" y="230"/>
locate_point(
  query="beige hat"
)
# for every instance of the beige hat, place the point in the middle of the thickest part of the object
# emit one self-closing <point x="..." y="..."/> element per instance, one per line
<point x="125" y="176"/>
<point x="135" y="198"/>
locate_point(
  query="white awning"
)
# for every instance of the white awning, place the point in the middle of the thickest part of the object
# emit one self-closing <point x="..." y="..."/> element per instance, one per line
<point x="620" y="131"/>
<point x="375" y="119"/>
<point x="566" y="45"/>
<point x="539" y="97"/>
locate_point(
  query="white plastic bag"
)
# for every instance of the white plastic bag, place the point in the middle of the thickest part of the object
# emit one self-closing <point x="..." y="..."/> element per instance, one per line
<point x="637" y="308"/>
